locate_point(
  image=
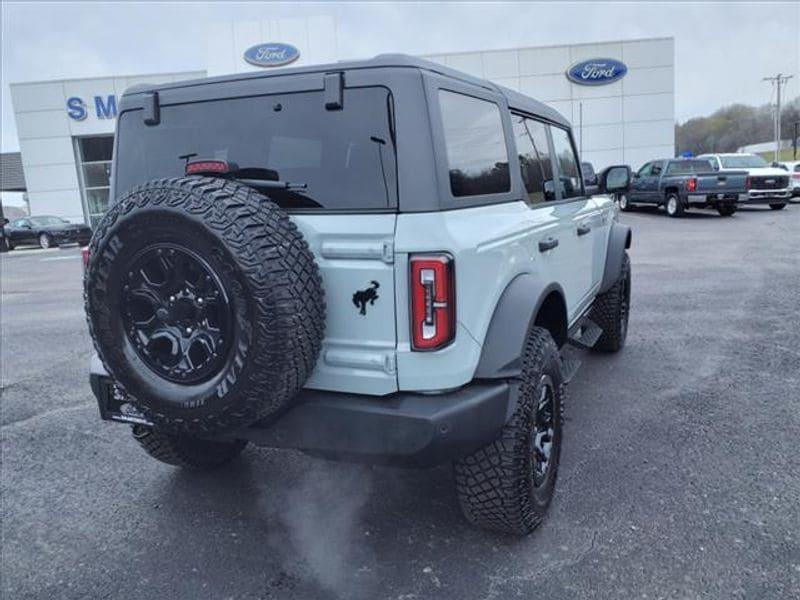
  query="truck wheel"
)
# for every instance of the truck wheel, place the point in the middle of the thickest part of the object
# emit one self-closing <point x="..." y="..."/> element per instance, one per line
<point x="204" y="302"/>
<point x="507" y="485"/>
<point x="187" y="452"/>
<point x="726" y="210"/>
<point x="624" y="204"/>
<point x="611" y="311"/>
<point x="777" y="206"/>
<point x="674" y="206"/>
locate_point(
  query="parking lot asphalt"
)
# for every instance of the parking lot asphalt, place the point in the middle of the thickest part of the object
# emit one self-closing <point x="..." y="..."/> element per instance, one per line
<point x="680" y="475"/>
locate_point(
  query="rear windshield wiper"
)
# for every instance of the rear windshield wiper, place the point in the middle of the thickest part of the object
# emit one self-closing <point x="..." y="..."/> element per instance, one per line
<point x="257" y="177"/>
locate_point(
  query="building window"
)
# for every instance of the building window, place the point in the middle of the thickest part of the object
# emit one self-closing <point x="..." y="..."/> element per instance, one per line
<point x="94" y="167"/>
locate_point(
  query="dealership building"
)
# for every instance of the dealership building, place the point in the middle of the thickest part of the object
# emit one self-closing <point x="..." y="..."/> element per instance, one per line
<point x="619" y="96"/>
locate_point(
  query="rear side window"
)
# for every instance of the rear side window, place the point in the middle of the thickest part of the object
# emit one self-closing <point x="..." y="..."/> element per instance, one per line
<point x="345" y="157"/>
<point x="534" y="159"/>
<point x="477" y="156"/>
<point x="569" y="174"/>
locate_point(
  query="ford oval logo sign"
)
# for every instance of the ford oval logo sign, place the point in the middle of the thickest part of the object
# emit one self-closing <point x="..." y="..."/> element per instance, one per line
<point x="597" y="71"/>
<point x="271" y="55"/>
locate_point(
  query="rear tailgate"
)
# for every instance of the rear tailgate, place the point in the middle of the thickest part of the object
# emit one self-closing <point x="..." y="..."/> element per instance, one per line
<point x="727" y="182"/>
<point x="345" y="157"/>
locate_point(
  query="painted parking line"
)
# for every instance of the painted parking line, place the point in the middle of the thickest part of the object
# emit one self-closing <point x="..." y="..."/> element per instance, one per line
<point x="49" y="258"/>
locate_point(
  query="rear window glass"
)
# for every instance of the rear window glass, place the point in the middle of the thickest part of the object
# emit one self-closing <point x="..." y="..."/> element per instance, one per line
<point x="682" y="167"/>
<point x="345" y="157"/>
<point x="477" y="156"/>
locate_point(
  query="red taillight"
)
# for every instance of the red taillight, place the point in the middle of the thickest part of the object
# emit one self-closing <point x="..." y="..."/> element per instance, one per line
<point x="85" y="256"/>
<point x="201" y="167"/>
<point x="796" y="175"/>
<point x="691" y="184"/>
<point x="433" y="306"/>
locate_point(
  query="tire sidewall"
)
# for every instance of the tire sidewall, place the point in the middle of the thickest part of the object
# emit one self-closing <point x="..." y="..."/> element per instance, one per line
<point x="673" y="198"/>
<point x="45" y="241"/>
<point x="624" y="203"/>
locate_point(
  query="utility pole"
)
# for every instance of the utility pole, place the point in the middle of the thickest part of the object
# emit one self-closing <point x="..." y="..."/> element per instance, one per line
<point x="779" y="81"/>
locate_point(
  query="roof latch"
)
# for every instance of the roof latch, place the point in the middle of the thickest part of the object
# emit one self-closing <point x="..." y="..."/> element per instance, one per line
<point x="334" y="83"/>
<point x="152" y="110"/>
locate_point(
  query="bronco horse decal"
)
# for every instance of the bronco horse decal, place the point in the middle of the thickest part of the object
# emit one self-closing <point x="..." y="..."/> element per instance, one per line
<point x="361" y="297"/>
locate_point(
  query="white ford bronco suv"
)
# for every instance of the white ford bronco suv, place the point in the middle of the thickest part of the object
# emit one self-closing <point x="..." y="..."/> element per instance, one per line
<point x="382" y="261"/>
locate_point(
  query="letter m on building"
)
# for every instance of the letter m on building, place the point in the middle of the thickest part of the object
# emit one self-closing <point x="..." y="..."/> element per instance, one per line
<point x="107" y="109"/>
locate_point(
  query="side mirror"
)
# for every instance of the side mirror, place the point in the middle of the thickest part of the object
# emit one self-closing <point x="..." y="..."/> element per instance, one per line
<point x="615" y="179"/>
<point x="3" y="221"/>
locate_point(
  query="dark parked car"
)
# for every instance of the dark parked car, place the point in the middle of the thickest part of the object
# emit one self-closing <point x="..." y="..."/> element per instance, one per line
<point x="45" y="232"/>
<point x="3" y="223"/>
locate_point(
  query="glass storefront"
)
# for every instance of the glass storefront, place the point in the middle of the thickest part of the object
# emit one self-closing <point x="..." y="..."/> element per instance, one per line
<point x="94" y="168"/>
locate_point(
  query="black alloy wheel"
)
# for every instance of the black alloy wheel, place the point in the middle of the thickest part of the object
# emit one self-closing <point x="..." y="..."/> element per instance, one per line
<point x="543" y="434"/>
<point x="176" y="313"/>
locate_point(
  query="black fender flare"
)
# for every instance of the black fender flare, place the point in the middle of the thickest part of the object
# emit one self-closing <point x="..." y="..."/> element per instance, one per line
<point x="514" y="315"/>
<point x="619" y="240"/>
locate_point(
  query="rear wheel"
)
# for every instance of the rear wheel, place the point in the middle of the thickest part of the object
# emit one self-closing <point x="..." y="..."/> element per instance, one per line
<point x="187" y="452"/>
<point x="624" y="203"/>
<point x="45" y="241"/>
<point x="674" y="206"/>
<point x="726" y="210"/>
<point x="508" y="485"/>
<point x="777" y="206"/>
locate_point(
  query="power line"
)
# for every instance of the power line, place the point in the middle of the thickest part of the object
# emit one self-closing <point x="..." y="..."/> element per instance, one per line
<point x="777" y="83"/>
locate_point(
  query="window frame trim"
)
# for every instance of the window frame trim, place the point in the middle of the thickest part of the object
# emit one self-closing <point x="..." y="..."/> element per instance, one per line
<point x="546" y="125"/>
<point x="557" y="165"/>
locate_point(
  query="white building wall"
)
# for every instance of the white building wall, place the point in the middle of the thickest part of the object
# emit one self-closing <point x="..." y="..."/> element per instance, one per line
<point x="315" y="38"/>
<point x="46" y="133"/>
<point x="629" y="121"/>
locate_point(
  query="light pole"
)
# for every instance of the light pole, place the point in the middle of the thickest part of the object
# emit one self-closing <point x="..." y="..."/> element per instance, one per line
<point x="779" y="81"/>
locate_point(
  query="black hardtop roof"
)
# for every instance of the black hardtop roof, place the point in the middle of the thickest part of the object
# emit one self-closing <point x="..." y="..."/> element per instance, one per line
<point x="515" y="99"/>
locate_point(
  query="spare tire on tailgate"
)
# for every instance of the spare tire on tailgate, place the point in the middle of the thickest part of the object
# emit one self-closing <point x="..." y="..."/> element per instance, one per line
<point x="205" y="303"/>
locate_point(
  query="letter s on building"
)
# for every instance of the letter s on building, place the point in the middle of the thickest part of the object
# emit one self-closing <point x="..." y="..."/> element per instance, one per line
<point x="76" y="109"/>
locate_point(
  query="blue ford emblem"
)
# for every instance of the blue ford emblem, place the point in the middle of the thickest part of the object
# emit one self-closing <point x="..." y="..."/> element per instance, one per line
<point x="271" y="55"/>
<point x="597" y="71"/>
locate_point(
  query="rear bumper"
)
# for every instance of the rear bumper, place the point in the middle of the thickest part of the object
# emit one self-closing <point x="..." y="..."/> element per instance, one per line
<point x="405" y="429"/>
<point x="712" y="199"/>
<point x="765" y="196"/>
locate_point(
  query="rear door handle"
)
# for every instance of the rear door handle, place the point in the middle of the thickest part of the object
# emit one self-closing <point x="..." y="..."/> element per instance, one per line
<point x="583" y="229"/>
<point x="547" y="244"/>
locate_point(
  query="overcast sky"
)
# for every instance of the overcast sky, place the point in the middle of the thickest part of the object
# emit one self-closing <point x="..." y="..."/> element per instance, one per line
<point x="722" y="50"/>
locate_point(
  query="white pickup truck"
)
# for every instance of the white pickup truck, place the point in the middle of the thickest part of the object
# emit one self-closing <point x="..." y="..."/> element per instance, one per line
<point x="767" y="185"/>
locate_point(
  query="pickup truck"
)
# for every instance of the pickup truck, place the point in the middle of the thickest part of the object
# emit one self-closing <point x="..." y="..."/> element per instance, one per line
<point x="678" y="184"/>
<point x="768" y="185"/>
